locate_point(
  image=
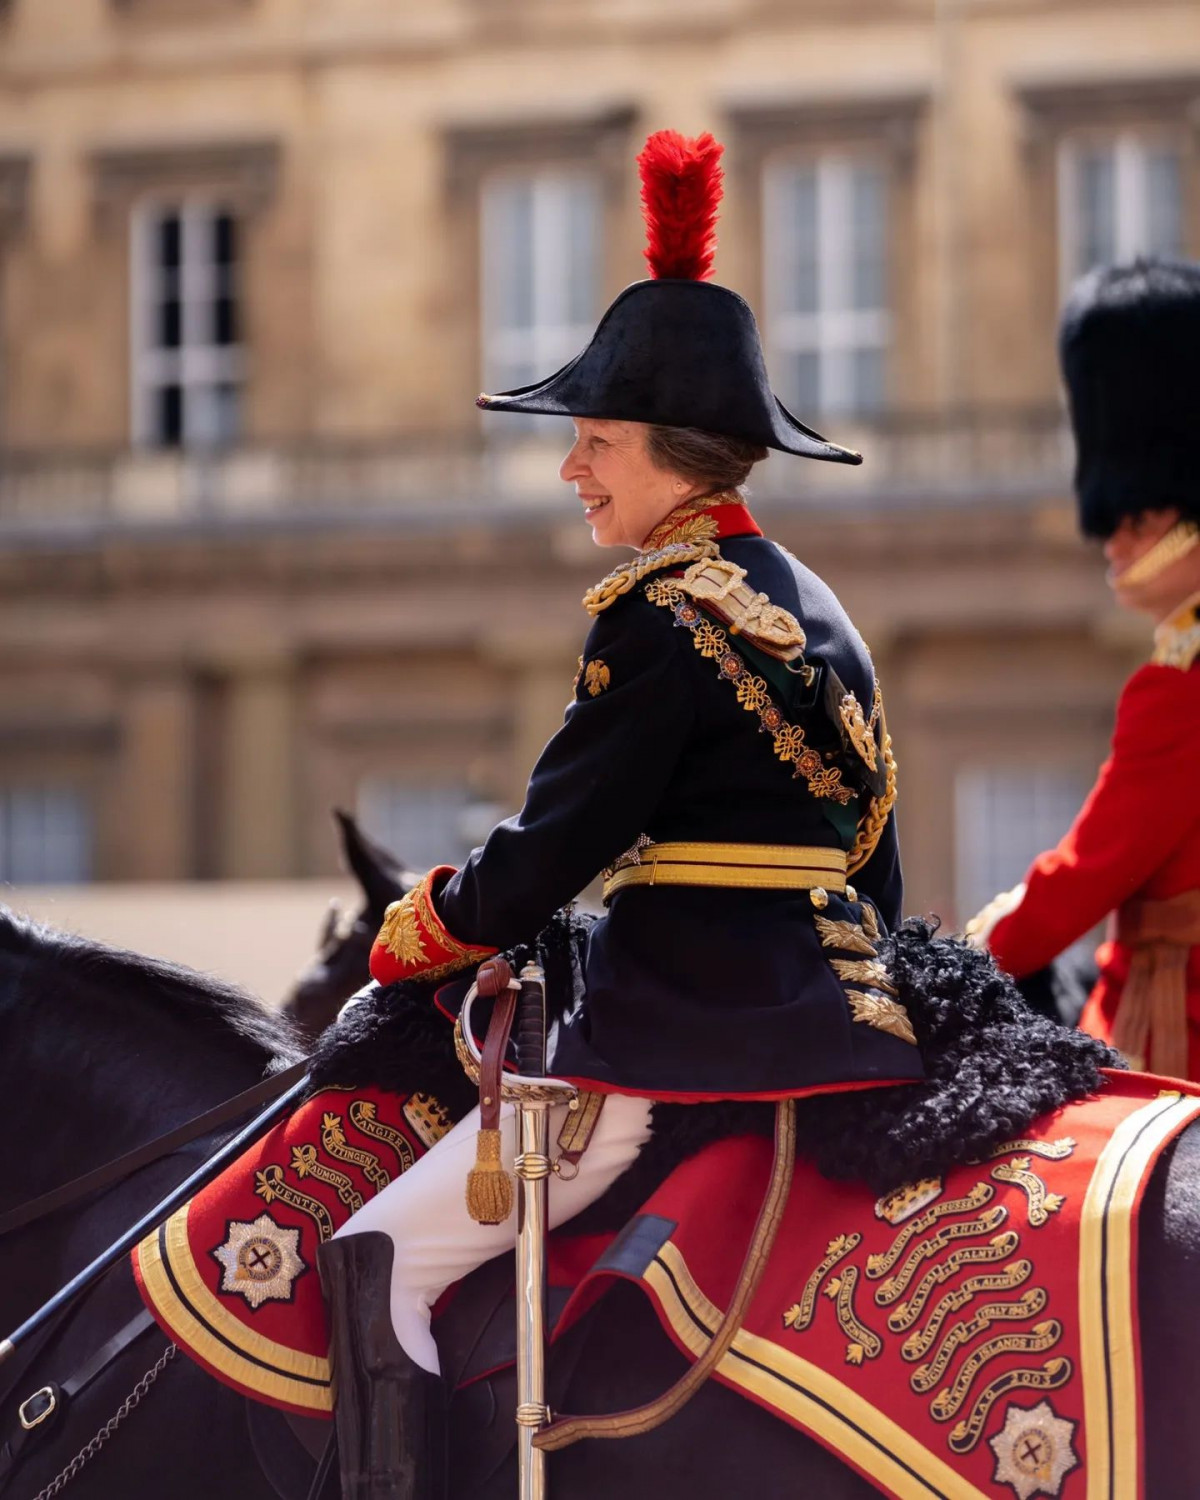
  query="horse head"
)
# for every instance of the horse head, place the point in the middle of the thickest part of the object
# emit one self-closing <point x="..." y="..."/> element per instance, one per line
<point x="344" y="946"/>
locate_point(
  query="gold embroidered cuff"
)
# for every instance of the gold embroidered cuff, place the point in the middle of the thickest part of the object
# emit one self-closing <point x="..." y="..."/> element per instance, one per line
<point x="413" y="943"/>
<point x="764" y="867"/>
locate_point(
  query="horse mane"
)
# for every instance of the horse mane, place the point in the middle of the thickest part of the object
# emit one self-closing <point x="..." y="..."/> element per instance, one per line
<point x="211" y="1005"/>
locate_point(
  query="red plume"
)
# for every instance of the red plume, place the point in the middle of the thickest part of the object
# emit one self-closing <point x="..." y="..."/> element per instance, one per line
<point x="681" y="193"/>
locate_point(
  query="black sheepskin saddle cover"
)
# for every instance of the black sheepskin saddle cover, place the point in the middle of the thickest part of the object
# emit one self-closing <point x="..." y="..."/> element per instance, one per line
<point x="993" y="1066"/>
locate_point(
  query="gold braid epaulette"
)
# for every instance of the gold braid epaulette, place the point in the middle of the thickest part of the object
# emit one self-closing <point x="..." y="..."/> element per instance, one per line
<point x="621" y="580"/>
<point x="872" y="824"/>
<point x="1177" y="640"/>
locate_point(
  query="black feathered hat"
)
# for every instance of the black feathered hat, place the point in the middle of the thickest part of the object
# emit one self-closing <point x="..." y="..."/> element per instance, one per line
<point x="676" y="351"/>
<point x="1130" y="349"/>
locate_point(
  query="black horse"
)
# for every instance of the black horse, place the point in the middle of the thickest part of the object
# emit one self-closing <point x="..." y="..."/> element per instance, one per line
<point x="99" y="1050"/>
<point x="344" y="944"/>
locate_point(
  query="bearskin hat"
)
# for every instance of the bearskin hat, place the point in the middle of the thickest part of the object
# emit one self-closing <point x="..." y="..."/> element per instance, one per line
<point x="1129" y="343"/>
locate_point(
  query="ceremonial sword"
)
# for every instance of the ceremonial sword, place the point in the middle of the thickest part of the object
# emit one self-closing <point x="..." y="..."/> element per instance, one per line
<point x="534" y="1095"/>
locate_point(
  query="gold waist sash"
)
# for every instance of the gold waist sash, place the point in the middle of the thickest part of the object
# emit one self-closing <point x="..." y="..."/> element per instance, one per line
<point x="757" y="867"/>
<point x="1151" y="1023"/>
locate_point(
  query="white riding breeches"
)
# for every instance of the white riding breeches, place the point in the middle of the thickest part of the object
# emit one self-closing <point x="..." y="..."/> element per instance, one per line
<point x="436" y="1241"/>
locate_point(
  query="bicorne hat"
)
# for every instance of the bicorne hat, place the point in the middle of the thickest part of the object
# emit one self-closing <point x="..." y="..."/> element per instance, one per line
<point x="1130" y="349"/>
<point x="677" y="350"/>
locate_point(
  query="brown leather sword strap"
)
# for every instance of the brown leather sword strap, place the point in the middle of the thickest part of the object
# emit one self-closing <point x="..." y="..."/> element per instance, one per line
<point x="576" y="1134"/>
<point x="489" y="1187"/>
<point x="494" y="980"/>
<point x="564" y="1431"/>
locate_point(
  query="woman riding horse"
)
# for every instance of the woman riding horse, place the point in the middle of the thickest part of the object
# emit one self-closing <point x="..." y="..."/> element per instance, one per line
<point x="724" y="762"/>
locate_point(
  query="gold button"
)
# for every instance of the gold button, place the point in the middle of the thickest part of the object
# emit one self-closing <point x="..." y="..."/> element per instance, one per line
<point x="851" y="893"/>
<point x="819" y="897"/>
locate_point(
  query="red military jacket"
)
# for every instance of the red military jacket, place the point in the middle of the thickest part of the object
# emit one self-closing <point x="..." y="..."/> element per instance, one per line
<point x="1136" y="837"/>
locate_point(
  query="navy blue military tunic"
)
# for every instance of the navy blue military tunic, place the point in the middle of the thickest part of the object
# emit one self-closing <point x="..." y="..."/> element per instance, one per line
<point x="692" y="992"/>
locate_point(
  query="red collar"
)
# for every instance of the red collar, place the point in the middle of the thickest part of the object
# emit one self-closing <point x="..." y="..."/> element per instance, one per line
<point x="705" y="520"/>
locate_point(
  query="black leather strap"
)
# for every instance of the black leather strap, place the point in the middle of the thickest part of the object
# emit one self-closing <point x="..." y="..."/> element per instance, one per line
<point x="323" y="1470"/>
<point x="42" y="1408"/>
<point x="141" y="1156"/>
<point x="106" y="1353"/>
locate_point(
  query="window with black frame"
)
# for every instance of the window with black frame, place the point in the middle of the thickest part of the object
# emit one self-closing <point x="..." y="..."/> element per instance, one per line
<point x="188" y="357"/>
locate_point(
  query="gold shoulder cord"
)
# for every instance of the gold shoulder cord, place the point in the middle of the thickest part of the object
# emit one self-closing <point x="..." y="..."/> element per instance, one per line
<point x="1177" y="640"/>
<point x="872" y="824"/>
<point x="677" y="554"/>
<point x="621" y="580"/>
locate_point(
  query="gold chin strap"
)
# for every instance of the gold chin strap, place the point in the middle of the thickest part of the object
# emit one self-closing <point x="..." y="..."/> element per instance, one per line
<point x="1177" y="543"/>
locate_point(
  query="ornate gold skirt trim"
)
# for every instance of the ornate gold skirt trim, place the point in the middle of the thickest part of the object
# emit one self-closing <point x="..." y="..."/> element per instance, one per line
<point x="199" y="1320"/>
<point x="817" y="1401"/>
<point x="1108" y="1288"/>
<point x="767" y="867"/>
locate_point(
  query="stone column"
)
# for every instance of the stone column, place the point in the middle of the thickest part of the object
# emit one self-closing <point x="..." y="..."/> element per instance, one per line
<point x="257" y="832"/>
<point x="151" y="836"/>
<point x="541" y="666"/>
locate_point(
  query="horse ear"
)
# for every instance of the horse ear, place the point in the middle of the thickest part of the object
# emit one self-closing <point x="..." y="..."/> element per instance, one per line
<point x="382" y="877"/>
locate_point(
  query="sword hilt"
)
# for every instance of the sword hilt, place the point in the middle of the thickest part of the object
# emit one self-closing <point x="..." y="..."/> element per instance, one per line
<point x="530" y="1026"/>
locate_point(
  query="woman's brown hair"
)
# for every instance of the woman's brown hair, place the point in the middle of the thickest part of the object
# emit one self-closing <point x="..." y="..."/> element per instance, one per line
<point x="706" y="458"/>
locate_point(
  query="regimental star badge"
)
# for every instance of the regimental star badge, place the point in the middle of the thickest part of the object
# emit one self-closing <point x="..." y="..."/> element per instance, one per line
<point x="260" y="1260"/>
<point x="1034" y="1452"/>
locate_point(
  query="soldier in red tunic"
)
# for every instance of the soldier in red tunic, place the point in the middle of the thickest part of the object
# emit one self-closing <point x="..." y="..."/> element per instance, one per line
<point x="1130" y="348"/>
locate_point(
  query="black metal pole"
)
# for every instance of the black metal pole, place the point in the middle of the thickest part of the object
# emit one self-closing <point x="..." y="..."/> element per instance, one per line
<point x="178" y="1196"/>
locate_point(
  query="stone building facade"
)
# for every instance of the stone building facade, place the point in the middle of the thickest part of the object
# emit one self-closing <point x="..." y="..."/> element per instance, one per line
<point x="259" y="553"/>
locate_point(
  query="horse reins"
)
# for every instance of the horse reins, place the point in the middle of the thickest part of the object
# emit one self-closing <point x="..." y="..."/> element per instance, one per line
<point x="163" y="1145"/>
<point x="39" y="1410"/>
<point x="565" y="1430"/>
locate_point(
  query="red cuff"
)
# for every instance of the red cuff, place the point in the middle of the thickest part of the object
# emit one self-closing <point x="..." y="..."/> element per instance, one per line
<point x="414" y="944"/>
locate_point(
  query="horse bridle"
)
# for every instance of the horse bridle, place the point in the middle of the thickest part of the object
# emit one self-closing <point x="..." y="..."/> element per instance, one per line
<point x="120" y="1167"/>
<point x="46" y="1403"/>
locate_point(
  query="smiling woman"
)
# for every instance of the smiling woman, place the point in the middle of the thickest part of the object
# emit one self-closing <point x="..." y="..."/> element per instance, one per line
<point x="724" y="764"/>
<point x="631" y="475"/>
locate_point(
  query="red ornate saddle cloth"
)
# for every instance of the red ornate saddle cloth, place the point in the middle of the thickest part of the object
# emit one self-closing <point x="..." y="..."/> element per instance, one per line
<point x="967" y="1336"/>
<point x="232" y="1276"/>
